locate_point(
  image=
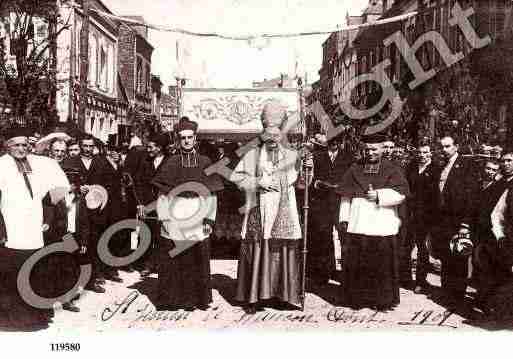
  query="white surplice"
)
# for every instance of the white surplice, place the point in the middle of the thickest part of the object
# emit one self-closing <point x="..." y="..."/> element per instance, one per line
<point x="371" y="218"/>
<point x="182" y="218"/>
<point x="246" y="175"/>
<point x="23" y="214"/>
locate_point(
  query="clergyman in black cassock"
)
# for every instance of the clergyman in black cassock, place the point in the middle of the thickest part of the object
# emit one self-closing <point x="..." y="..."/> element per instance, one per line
<point x="371" y="191"/>
<point x="184" y="249"/>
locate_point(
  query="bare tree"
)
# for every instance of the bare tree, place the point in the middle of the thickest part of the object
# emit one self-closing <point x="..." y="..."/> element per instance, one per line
<point x="28" y="59"/>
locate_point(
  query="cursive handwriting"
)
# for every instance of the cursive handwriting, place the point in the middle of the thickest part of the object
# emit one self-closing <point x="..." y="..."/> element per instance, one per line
<point x="162" y="316"/>
<point x="238" y="317"/>
<point x="273" y="316"/>
<point x="121" y="307"/>
<point x="347" y="316"/>
<point x="430" y="318"/>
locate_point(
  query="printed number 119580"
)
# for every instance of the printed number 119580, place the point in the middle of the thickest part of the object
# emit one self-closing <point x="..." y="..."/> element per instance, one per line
<point x="65" y="347"/>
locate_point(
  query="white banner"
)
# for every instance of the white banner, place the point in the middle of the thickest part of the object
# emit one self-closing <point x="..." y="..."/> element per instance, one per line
<point x="235" y="110"/>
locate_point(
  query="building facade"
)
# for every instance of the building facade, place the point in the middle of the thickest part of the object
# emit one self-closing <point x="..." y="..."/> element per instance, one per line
<point x="134" y="64"/>
<point x="102" y="106"/>
<point x="119" y="80"/>
<point x="481" y="105"/>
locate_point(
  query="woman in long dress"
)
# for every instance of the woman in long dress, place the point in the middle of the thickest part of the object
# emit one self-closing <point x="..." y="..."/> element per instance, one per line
<point x="269" y="260"/>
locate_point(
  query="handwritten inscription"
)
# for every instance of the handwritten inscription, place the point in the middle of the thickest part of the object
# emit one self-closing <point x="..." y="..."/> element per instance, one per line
<point x="347" y="316"/>
<point x="430" y="318"/>
<point x="142" y="311"/>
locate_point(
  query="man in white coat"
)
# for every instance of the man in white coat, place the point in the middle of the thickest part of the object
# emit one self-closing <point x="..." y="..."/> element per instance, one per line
<point x="25" y="180"/>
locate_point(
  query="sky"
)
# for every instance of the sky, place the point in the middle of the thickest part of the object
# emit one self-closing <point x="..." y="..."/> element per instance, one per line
<point x="207" y="62"/>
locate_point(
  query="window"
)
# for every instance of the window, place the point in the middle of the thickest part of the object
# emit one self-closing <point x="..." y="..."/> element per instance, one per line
<point x="110" y="68"/>
<point x="139" y="77"/>
<point x="77" y="47"/>
<point x="103" y="68"/>
<point x="92" y="78"/>
<point x="148" y="80"/>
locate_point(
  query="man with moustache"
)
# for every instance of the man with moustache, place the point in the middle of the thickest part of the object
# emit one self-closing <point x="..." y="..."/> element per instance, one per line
<point x="329" y="168"/>
<point x="457" y="189"/>
<point x="94" y="170"/>
<point x="421" y="175"/>
<point x="156" y="156"/>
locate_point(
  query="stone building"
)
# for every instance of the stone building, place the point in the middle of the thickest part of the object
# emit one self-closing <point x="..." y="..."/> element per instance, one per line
<point x="134" y="64"/>
<point x="456" y="83"/>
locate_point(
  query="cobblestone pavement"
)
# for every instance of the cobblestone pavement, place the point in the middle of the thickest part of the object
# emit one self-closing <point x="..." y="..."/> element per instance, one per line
<point x="127" y="306"/>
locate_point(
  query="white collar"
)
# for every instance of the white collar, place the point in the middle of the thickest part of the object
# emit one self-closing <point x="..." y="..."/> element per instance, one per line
<point x="423" y="166"/>
<point x="453" y="158"/>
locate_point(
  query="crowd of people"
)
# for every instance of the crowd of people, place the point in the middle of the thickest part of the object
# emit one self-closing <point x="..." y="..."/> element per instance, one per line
<point x="453" y="207"/>
<point x="458" y="210"/>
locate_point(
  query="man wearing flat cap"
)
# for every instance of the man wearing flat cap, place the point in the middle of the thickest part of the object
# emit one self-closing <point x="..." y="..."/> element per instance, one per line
<point x="186" y="207"/>
<point x="371" y="191"/>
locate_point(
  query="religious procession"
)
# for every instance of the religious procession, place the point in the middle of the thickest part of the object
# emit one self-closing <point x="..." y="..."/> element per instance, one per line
<point x="453" y="209"/>
<point x="277" y="199"/>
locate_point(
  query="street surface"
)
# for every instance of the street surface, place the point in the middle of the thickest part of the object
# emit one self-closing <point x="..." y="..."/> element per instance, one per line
<point x="128" y="306"/>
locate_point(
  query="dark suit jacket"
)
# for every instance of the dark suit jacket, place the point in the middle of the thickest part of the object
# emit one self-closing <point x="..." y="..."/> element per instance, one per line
<point x="455" y="205"/>
<point x="422" y="201"/>
<point x="117" y="205"/>
<point x="99" y="173"/>
<point x="146" y="191"/>
<point x="56" y="216"/>
<point x="332" y="172"/>
<point x="486" y="200"/>
<point x="325" y="203"/>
